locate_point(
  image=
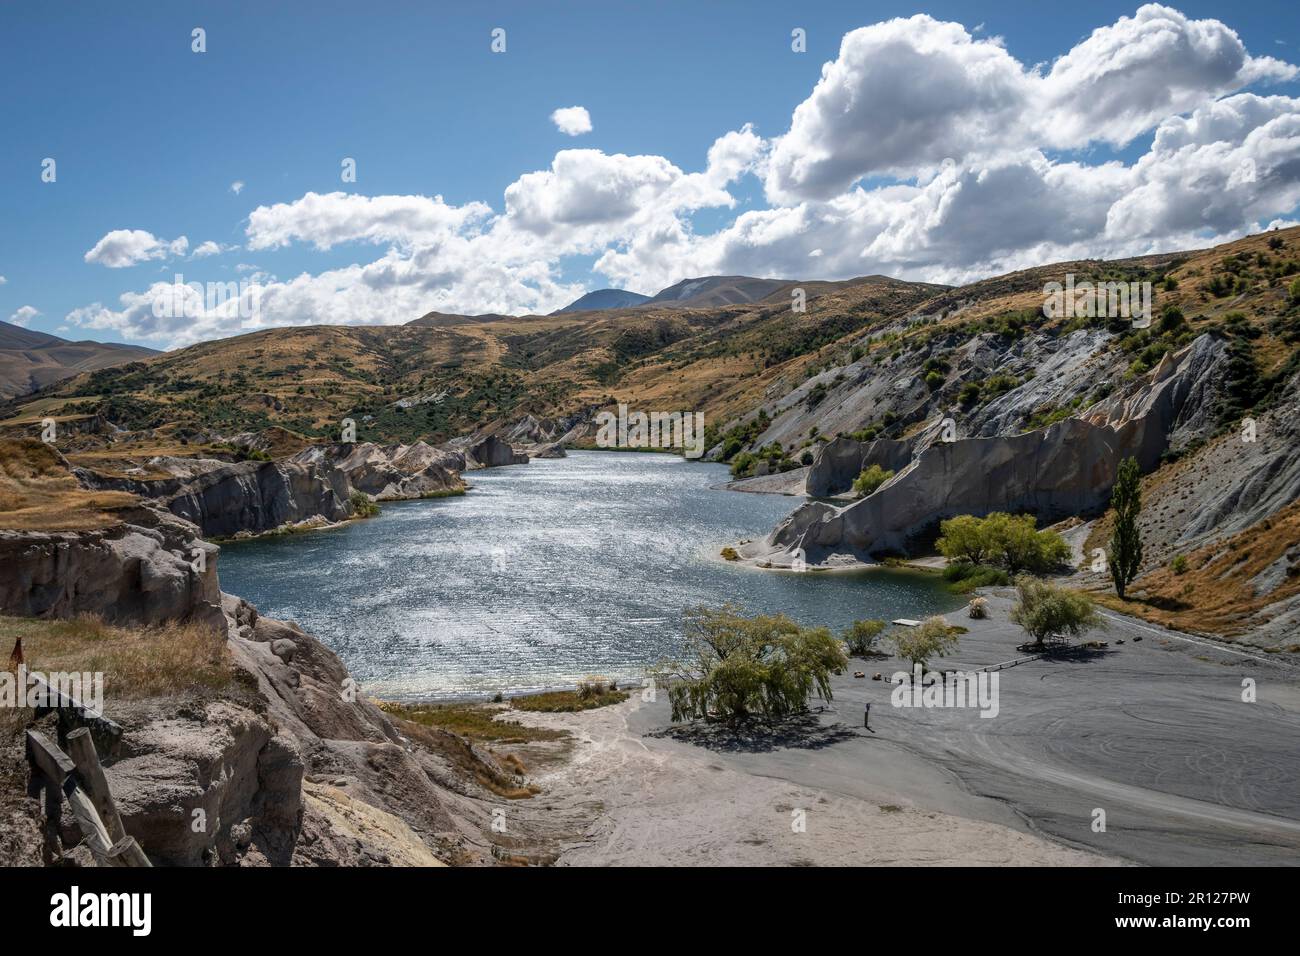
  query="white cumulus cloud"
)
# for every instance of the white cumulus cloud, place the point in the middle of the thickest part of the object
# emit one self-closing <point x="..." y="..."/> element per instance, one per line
<point x="924" y="151"/>
<point x="572" y="120"/>
<point x="24" y="315"/>
<point x="127" y="247"/>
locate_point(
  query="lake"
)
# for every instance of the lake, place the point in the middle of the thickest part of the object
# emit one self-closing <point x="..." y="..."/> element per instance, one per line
<point x="543" y="574"/>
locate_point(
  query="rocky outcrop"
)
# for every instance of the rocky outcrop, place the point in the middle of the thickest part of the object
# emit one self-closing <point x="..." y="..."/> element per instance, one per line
<point x="389" y="472"/>
<point x="226" y="499"/>
<point x="257" y="496"/>
<point x="133" y="573"/>
<point x="249" y="496"/>
<point x="838" y="463"/>
<point x="492" y="452"/>
<point x="199" y="786"/>
<point x="1063" y="470"/>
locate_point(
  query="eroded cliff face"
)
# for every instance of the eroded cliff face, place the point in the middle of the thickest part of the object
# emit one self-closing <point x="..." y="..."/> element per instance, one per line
<point x="252" y="497"/>
<point x="150" y="569"/>
<point x="1062" y="470"/>
<point x="224" y="499"/>
<point x="838" y="463"/>
<point x="492" y="452"/>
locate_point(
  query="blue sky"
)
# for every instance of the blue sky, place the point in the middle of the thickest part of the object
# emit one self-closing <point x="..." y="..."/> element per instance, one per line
<point x="148" y="135"/>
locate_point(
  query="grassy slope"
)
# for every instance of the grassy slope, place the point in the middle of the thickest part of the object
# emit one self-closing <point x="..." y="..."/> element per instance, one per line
<point x="37" y="492"/>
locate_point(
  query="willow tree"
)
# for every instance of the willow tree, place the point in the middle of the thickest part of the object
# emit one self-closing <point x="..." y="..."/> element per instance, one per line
<point x="1125" y="552"/>
<point x="733" y="667"/>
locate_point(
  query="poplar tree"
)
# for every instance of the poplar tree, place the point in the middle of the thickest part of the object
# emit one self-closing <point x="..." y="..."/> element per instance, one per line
<point x="1125" y="552"/>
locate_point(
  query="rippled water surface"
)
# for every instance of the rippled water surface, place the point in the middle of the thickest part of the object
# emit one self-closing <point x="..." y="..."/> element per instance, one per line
<point x="543" y="574"/>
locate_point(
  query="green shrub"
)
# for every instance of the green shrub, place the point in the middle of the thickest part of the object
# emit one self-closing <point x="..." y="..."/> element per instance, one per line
<point x="362" y="505"/>
<point x="1009" y="541"/>
<point x="870" y="479"/>
<point x="1046" y="611"/>
<point x="963" y="577"/>
<point x="933" y="638"/>
<point x="1179" y="564"/>
<point x="861" y="637"/>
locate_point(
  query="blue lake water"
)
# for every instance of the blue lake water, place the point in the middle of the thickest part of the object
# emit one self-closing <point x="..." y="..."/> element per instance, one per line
<point x="543" y="574"/>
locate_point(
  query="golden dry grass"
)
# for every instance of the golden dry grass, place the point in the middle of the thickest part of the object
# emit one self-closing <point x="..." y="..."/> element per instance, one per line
<point x="1216" y="592"/>
<point x="38" y="493"/>
<point x="137" y="663"/>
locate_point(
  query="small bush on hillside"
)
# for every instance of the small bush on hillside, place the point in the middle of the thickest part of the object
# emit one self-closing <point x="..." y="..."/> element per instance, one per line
<point x="870" y="479"/>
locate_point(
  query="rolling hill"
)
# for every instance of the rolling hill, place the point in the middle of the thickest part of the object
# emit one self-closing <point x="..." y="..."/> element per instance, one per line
<point x="29" y="361"/>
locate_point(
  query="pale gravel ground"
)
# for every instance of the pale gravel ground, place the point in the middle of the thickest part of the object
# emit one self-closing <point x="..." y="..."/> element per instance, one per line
<point x="669" y="804"/>
<point x="1153" y="730"/>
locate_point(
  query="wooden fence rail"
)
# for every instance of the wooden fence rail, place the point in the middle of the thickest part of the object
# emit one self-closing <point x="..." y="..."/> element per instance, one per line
<point x="80" y="780"/>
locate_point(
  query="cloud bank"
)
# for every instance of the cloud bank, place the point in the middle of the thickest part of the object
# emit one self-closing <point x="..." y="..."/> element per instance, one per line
<point x="924" y="151"/>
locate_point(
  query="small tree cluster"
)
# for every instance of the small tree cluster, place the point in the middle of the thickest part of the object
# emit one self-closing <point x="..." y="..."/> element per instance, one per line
<point x="1009" y="541"/>
<point x="933" y="637"/>
<point x="861" y="637"/>
<point x="733" y="667"/>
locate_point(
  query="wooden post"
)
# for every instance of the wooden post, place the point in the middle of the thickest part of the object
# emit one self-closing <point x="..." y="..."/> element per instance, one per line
<point x="73" y="712"/>
<point x="92" y="828"/>
<point x="82" y="750"/>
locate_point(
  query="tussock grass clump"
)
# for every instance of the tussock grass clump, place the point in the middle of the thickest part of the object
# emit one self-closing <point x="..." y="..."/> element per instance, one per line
<point x="39" y="493"/>
<point x="474" y="721"/>
<point x="588" y="696"/>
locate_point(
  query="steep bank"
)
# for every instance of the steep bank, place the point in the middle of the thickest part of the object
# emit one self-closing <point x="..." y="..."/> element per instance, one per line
<point x="286" y="763"/>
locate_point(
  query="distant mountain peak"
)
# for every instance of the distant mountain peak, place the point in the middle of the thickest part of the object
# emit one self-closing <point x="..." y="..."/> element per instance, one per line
<point x="604" y="299"/>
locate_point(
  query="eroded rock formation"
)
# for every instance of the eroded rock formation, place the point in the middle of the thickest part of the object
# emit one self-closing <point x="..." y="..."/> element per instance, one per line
<point x="1065" y="469"/>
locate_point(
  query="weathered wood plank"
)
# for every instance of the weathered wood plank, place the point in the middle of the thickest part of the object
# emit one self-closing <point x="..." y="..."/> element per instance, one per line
<point x="46" y="756"/>
<point x="82" y="750"/>
<point x="92" y="828"/>
<point x="74" y="712"/>
<point x="127" y="852"/>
